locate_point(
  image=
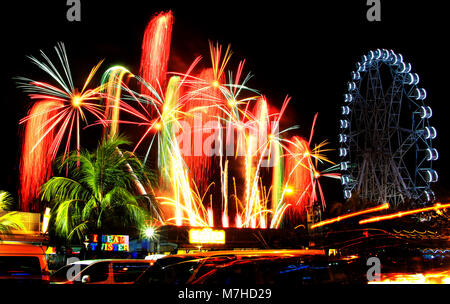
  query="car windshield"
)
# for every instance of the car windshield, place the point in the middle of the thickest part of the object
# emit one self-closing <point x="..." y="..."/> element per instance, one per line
<point x="178" y="273"/>
<point x="128" y="272"/>
<point x="19" y="266"/>
<point x="154" y="270"/>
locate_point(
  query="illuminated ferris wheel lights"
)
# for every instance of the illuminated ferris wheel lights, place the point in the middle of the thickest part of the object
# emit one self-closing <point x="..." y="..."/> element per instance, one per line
<point x="348" y="97"/>
<point x="351" y="86"/>
<point x="425" y="112"/>
<point x="429" y="195"/>
<point x="431" y="175"/>
<point x="404" y="68"/>
<point x="344" y="166"/>
<point x="356" y="76"/>
<point x="361" y="67"/>
<point x="343" y="152"/>
<point x="345" y="110"/>
<point x="386" y="55"/>
<point x="432" y="154"/>
<point x="398" y="59"/>
<point x="412" y="79"/>
<point x="344" y="124"/>
<point x="371" y="67"/>
<point x="343" y="138"/>
<point x="378" y="54"/>
<point x="345" y="179"/>
<point x="430" y="132"/>
<point x="347" y="194"/>
<point x="420" y="94"/>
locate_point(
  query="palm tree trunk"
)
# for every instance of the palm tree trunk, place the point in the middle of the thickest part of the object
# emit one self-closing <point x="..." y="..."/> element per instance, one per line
<point x="141" y="187"/>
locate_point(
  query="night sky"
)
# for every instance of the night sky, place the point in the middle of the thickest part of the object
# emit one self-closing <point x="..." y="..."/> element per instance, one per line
<point x="306" y="51"/>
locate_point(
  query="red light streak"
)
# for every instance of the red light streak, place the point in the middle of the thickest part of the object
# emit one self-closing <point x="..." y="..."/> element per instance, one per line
<point x="36" y="162"/>
<point x="346" y="216"/>
<point x="155" y="50"/>
<point x="436" y="207"/>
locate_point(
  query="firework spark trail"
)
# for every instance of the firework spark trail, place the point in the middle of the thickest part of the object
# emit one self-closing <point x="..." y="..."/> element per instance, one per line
<point x="277" y="176"/>
<point x="112" y="80"/>
<point x="75" y="102"/>
<point x="166" y="144"/>
<point x="200" y="108"/>
<point x="185" y="199"/>
<point x="32" y="176"/>
<point x="61" y="118"/>
<point x="298" y="171"/>
<point x="156" y="50"/>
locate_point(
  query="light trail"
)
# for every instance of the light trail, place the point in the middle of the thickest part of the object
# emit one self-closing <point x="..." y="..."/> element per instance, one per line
<point x="353" y="214"/>
<point x="400" y="214"/>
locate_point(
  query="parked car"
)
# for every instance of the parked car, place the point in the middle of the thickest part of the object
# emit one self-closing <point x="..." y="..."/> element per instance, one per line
<point x="280" y="270"/>
<point x="111" y="271"/>
<point x="184" y="269"/>
<point x="23" y="264"/>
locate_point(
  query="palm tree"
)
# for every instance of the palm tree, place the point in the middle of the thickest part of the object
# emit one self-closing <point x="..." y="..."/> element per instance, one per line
<point x="98" y="195"/>
<point x="9" y="220"/>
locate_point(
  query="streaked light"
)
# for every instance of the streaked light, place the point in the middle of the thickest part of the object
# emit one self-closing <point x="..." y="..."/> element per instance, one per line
<point x="437" y="206"/>
<point x="45" y="220"/>
<point x="416" y="278"/>
<point x="346" y="216"/>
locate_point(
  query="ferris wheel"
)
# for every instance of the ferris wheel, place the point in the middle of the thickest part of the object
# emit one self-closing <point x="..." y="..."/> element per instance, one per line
<point x="385" y="136"/>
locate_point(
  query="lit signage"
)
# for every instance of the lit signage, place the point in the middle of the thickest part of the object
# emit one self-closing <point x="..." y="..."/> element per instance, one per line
<point x="110" y="242"/>
<point x="206" y="236"/>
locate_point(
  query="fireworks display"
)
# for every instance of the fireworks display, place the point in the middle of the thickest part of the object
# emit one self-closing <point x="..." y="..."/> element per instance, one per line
<point x="221" y="156"/>
<point x="55" y="117"/>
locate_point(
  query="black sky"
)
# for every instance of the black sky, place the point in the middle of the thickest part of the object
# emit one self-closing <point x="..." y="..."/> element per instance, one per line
<point x="305" y="49"/>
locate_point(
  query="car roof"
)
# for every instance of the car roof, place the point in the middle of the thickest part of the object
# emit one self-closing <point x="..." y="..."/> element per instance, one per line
<point x="21" y="249"/>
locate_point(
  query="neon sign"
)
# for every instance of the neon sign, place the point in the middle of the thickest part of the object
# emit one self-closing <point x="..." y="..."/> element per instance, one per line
<point x="110" y="242"/>
<point x="206" y="236"/>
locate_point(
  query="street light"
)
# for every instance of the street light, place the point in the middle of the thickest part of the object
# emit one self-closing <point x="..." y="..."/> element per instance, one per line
<point x="150" y="232"/>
